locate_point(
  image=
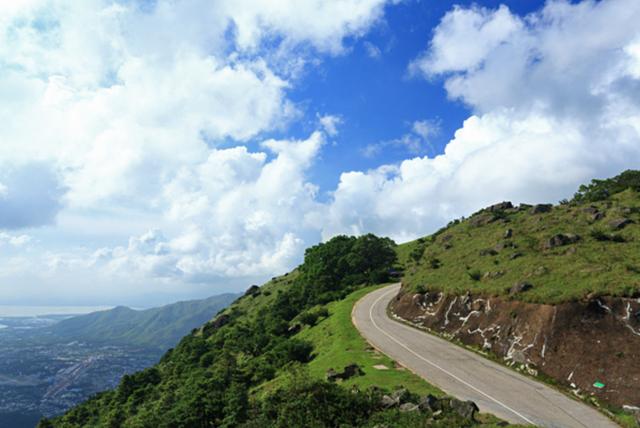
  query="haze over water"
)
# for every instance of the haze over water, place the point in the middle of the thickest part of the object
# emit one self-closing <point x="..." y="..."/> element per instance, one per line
<point x="34" y="311"/>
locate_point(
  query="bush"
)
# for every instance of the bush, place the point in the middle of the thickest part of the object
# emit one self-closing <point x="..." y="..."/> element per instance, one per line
<point x="599" y="190"/>
<point x="475" y="275"/>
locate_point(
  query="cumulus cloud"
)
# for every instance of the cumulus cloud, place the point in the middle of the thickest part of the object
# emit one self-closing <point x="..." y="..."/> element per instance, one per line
<point x="127" y="109"/>
<point x="555" y="102"/>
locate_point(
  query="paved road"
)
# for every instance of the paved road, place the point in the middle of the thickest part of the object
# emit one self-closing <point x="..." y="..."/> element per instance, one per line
<point x="466" y="375"/>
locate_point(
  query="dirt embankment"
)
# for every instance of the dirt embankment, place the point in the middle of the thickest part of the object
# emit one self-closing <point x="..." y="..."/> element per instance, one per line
<point x="579" y="344"/>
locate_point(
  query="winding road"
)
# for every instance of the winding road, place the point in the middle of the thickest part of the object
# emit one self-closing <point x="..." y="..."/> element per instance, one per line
<point x="468" y="376"/>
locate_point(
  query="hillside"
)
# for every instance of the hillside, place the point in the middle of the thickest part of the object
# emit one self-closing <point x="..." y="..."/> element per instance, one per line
<point x="551" y="290"/>
<point x="263" y="361"/>
<point x="557" y="253"/>
<point x="161" y="327"/>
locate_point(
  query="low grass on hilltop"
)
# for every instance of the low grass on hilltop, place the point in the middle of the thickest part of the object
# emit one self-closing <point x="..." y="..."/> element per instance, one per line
<point x="494" y="249"/>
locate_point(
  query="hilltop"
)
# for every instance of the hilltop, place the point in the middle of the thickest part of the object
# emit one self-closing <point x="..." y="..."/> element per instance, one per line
<point x="543" y="253"/>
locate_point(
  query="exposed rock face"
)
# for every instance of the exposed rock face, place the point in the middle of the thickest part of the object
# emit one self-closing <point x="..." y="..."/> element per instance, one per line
<point x="575" y="343"/>
<point x="466" y="409"/>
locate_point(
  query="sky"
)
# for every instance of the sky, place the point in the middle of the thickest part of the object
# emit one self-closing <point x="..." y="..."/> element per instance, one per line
<point x="152" y="151"/>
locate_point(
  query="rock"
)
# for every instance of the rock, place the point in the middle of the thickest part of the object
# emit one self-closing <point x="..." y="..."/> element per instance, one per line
<point x="597" y="216"/>
<point x="254" y="290"/>
<point x="506" y="205"/>
<point x="541" y="208"/>
<point x="502" y="245"/>
<point x="429" y="403"/>
<point x="351" y="370"/>
<point x="515" y="255"/>
<point x="620" y="223"/>
<point x="508" y="233"/>
<point x="409" y="407"/>
<point x="294" y="329"/>
<point x="387" y="402"/>
<point x="488" y="252"/>
<point x="220" y="321"/>
<point x="400" y="395"/>
<point x="520" y="287"/>
<point x="482" y="219"/>
<point x="493" y="275"/>
<point x="560" y="240"/>
<point x="524" y="207"/>
<point x="466" y="409"/>
<point x="540" y="270"/>
<point x="331" y="375"/>
<point x="590" y="209"/>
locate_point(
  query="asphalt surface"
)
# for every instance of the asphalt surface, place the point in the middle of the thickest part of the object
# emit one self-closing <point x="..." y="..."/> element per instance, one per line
<point x="468" y="376"/>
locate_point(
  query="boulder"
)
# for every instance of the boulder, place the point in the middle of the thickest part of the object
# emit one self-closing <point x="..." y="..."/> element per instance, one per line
<point x="466" y="409"/>
<point x="506" y="205"/>
<point x="597" y="216"/>
<point x="429" y="403"/>
<point x="493" y="275"/>
<point x="482" y="219"/>
<point x="409" y="407"/>
<point x="332" y="375"/>
<point x="508" y="233"/>
<point x="502" y="245"/>
<point x="220" y="321"/>
<point x="488" y="252"/>
<point x="560" y="240"/>
<point x="386" y="402"/>
<point x="520" y="287"/>
<point x="541" y="208"/>
<point x="515" y="255"/>
<point x="254" y="290"/>
<point x="620" y="223"/>
<point x="590" y="210"/>
<point x="524" y="207"/>
<point x="294" y="329"/>
<point x="400" y="395"/>
<point x="351" y="370"/>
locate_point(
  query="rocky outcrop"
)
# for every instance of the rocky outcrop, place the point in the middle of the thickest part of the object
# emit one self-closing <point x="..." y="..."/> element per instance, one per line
<point x="579" y="344"/>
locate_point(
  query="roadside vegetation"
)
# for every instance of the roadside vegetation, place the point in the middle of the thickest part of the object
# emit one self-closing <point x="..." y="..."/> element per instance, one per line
<point x="261" y="362"/>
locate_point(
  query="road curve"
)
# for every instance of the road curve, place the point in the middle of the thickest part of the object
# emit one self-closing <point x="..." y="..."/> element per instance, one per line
<point x="466" y="375"/>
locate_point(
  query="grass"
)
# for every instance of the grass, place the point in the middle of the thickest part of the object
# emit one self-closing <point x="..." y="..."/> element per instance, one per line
<point x="565" y="273"/>
<point x="337" y="343"/>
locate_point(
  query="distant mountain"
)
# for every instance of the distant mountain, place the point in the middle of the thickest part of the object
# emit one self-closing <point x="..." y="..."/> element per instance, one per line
<point x="160" y="327"/>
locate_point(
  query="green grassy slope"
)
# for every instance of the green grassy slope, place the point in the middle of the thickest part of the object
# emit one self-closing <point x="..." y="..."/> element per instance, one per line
<point x="248" y="368"/>
<point x="160" y="327"/>
<point x="474" y="254"/>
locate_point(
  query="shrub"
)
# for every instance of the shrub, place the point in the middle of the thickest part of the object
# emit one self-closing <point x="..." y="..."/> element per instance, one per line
<point x="475" y="275"/>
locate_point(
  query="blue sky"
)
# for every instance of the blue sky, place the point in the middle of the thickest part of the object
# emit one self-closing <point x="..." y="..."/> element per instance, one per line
<point x="168" y="150"/>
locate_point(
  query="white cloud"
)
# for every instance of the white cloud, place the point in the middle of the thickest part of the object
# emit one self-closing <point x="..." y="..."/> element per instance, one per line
<point x="372" y="50"/>
<point x="127" y="107"/>
<point x="330" y="124"/>
<point x="415" y="142"/>
<point x="556" y="102"/>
